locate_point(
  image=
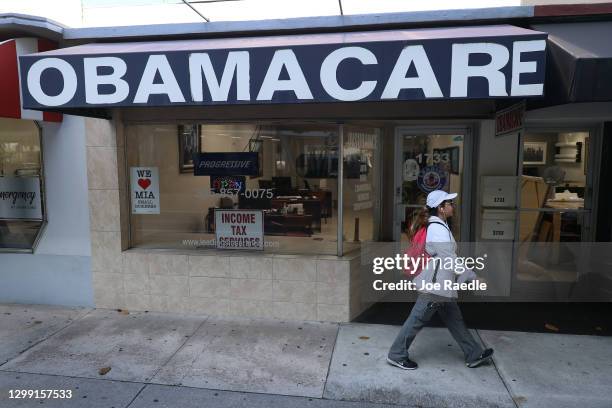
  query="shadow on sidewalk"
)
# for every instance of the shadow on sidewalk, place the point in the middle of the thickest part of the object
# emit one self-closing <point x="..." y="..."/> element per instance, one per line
<point x="568" y="318"/>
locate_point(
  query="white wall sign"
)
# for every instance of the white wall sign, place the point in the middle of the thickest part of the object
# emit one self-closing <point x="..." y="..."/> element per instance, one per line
<point x="20" y="198"/>
<point x="498" y="224"/>
<point x="144" y="183"/>
<point x="239" y="229"/>
<point x="499" y="191"/>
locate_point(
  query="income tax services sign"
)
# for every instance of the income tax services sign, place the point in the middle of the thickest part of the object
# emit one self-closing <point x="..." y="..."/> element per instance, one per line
<point x="239" y="229"/>
<point x="445" y="63"/>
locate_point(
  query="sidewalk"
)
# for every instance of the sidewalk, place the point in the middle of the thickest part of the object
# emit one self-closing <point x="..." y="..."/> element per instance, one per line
<point x="181" y="361"/>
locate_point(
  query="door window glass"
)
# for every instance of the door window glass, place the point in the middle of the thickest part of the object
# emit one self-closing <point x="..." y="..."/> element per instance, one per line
<point x="554" y="205"/>
<point x="429" y="162"/>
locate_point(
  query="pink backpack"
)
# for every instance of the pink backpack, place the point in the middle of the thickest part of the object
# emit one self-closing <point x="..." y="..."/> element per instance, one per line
<point x="417" y="253"/>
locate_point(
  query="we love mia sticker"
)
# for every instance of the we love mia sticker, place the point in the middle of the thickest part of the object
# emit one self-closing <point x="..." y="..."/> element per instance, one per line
<point x="145" y="190"/>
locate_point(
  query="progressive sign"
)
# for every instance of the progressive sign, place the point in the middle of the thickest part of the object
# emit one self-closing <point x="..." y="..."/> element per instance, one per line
<point x="226" y="164"/>
<point x="453" y="67"/>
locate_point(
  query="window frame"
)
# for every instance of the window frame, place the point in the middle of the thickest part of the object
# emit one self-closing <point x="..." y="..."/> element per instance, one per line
<point x="339" y="124"/>
<point x="595" y="130"/>
<point x="592" y="175"/>
<point x="43" y="198"/>
<point x="465" y="128"/>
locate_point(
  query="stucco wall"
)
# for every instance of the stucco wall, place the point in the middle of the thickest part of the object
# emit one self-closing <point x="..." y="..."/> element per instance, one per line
<point x="59" y="270"/>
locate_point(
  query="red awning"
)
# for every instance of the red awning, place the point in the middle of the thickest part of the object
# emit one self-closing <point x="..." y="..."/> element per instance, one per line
<point x="10" y="89"/>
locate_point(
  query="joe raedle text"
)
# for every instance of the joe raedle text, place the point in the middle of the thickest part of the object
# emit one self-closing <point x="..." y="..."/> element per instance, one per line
<point x="407" y="285"/>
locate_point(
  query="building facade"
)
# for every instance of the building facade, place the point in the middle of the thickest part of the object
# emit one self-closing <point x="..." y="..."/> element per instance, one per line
<point x="253" y="169"/>
<point x="44" y="223"/>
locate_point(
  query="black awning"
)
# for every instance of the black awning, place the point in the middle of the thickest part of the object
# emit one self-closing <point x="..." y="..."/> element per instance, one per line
<point x="579" y="62"/>
<point x="426" y="64"/>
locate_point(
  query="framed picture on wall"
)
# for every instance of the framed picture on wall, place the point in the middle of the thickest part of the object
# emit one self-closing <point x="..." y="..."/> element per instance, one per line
<point x="188" y="145"/>
<point x="534" y="153"/>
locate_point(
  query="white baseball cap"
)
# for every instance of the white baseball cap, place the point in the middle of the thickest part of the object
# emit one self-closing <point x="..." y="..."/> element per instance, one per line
<point x="436" y="197"/>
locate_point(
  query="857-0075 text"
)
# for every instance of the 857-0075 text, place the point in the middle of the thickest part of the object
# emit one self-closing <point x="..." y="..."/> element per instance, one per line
<point x="40" y="394"/>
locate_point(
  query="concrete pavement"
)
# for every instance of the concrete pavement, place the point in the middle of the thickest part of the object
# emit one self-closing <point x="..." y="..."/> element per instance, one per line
<point x="89" y="393"/>
<point x="254" y="355"/>
<point x="554" y="370"/>
<point x="22" y="326"/>
<point x="442" y="379"/>
<point x="135" y="346"/>
<point x="166" y="360"/>
<point x="85" y="392"/>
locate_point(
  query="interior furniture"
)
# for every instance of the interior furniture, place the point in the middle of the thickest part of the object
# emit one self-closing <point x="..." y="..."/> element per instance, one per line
<point x="534" y="192"/>
<point x="312" y="207"/>
<point x="287" y="224"/>
<point x="325" y="196"/>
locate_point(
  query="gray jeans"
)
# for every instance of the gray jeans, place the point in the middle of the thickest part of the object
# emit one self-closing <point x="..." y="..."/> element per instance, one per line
<point x="422" y="312"/>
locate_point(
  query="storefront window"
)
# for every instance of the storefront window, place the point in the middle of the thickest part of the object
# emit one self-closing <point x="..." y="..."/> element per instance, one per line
<point x="21" y="203"/>
<point x="362" y="185"/>
<point x="294" y="188"/>
<point x="553" y="205"/>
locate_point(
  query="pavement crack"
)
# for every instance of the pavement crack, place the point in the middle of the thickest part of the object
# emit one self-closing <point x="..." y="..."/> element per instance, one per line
<point x="74" y="377"/>
<point x="161" y="367"/>
<point x="501" y="377"/>
<point x="137" y="394"/>
<point x="331" y="357"/>
<point x="47" y="337"/>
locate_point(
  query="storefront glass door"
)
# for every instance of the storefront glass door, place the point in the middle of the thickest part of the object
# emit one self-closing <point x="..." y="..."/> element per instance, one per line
<point x="427" y="160"/>
<point x="555" y="213"/>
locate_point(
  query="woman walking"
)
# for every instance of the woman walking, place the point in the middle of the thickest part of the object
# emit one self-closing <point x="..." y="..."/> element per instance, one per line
<point x="440" y="245"/>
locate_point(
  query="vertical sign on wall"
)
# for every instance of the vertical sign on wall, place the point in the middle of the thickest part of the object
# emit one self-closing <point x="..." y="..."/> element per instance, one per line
<point x="144" y="183"/>
<point x="510" y="120"/>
